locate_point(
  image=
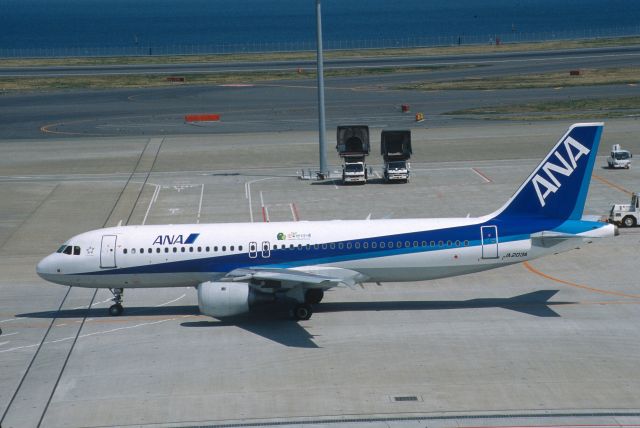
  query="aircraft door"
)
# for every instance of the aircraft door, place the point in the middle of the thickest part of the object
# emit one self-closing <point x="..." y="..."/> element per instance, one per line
<point x="489" y="235"/>
<point x="108" y="251"/>
<point x="253" y="250"/>
<point x="266" y="250"/>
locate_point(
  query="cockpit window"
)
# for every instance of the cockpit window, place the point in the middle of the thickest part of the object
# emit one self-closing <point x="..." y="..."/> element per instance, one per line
<point x="61" y="249"/>
<point x="76" y="251"/>
<point x="68" y="250"/>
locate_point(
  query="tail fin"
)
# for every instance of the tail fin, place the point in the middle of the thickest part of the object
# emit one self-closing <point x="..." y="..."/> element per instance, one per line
<point x="558" y="186"/>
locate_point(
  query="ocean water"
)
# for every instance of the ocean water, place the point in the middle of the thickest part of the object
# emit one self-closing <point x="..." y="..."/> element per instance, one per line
<point x="55" y="24"/>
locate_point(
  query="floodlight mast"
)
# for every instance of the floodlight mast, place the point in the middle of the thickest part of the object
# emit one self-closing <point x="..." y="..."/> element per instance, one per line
<point x="321" y="120"/>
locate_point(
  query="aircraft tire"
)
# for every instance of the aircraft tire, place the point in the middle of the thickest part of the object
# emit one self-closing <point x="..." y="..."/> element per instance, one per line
<point x="302" y="312"/>
<point x="116" y="310"/>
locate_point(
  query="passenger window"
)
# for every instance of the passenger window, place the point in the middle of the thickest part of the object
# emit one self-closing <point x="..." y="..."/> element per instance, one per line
<point x="357" y="245"/>
<point x="415" y="243"/>
<point x="182" y="250"/>
<point x="448" y="243"/>
<point x="299" y="247"/>
<point x="399" y="244"/>
<point x="240" y="248"/>
<point x="432" y="243"/>
<point x="381" y="244"/>
<point x="231" y="248"/>
<point x="141" y="250"/>
<point x="374" y="244"/>
<point x="291" y="246"/>
<point x="466" y="243"/>
<point x="457" y="243"/>
<point x="215" y="249"/>
<point x="191" y="249"/>
<point x="208" y="249"/>
<point x="124" y="251"/>
<point x="68" y="250"/>
<point x="340" y="245"/>
<point x="365" y="245"/>
<point x="133" y="251"/>
<point x="275" y="246"/>
<point x="158" y="250"/>
<point x="175" y="250"/>
<point x="424" y="243"/>
<point x="332" y="246"/>
<point x="315" y="246"/>
<point x="149" y="251"/>
<point x="348" y="245"/>
<point x="390" y="244"/>
<point x="166" y="249"/>
<point x="440" y="243"/>
<point x="199" y="249"/>
<point x="324" y="246"/>
<point x="224" y="248"/>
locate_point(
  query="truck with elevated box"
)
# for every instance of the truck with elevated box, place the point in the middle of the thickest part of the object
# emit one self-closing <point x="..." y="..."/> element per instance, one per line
<point x="395" y="148"/>
<point x="352" y="144"/>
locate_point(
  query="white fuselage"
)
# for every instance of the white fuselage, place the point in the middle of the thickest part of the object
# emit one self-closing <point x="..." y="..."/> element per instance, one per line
<point x="379" y="250"/>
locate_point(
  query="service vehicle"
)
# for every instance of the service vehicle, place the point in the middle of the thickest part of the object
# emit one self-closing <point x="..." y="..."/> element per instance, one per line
<point x="352" y="144"/>
<point x="395" y="148"/>
<point x="619" y="158"/>
<point x="626" y="215"/>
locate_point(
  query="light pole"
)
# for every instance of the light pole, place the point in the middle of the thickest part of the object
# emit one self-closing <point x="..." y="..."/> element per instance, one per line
<point x="321" y="120"/>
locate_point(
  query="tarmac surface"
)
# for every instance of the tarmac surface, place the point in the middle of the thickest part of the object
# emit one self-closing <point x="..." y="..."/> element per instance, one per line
<point x="282" y="106"/>
<point x="550" y="343"/>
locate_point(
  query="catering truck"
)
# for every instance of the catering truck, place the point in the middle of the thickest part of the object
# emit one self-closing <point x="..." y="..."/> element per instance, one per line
<point x="352" y="144"/>
<point x="395" y="148"/>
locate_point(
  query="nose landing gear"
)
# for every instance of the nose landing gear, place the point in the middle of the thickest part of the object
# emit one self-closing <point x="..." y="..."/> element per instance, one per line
<point x="116" y="309"/>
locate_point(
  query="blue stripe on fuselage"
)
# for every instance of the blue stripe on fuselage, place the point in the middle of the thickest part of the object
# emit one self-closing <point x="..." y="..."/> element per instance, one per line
<point x="508" y="230"/>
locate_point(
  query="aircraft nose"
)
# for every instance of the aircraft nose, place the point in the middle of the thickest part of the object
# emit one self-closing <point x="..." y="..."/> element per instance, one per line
<point x="45" y="268"/>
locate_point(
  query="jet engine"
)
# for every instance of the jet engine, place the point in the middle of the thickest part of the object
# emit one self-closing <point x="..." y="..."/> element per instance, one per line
<point x="224" y="299"/>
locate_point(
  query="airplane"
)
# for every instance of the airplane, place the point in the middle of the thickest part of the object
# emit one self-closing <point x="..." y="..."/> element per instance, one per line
<point x="236" y="266"/>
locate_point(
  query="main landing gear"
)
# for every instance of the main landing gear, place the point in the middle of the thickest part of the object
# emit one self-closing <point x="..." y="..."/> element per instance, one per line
<point x="116" y="309"/>
<point x="303" y="311"/>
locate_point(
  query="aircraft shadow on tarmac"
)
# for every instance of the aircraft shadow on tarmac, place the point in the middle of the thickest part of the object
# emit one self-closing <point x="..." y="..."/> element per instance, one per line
<point x="270" y="322"/>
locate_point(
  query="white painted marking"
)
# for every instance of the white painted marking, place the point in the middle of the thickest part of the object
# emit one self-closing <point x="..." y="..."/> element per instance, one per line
<point x="169" y="302"/>
<point x="96" y="303"/>
<point x="247" y="193"/>
<point x="9" y="334"/>
<point x="154" y="197"/>
<point x="10" y="319"/>
<point x="376" y="174"/>
<point x="4" y="343"/>
<point x="200" y="203"/>
<point x="293" y="213"/>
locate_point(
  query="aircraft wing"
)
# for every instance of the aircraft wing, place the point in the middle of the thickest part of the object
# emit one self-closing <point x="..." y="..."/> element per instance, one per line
<point x="290" y="278"/>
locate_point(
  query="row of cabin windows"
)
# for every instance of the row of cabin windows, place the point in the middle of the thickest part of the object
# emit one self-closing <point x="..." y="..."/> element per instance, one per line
<point x="69" y="250"/>
<point x="333" y="246"/>
<point x="181" y="249"/>
<point x="376" y="245"/>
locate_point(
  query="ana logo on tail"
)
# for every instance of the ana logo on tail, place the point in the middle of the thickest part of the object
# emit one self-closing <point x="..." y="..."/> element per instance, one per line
<point x="549" y="183"/>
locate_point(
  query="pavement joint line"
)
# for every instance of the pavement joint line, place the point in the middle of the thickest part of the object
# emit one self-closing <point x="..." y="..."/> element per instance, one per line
<point x="612" y="184"/>
<point x="531" y="269"/>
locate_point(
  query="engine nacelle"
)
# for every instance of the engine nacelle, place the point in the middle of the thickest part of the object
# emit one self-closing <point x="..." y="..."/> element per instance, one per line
<point x="224" y="299"/>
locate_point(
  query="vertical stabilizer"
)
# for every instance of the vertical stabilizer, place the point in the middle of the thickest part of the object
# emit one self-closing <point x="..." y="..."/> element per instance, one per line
<point x="558" y="186"/>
